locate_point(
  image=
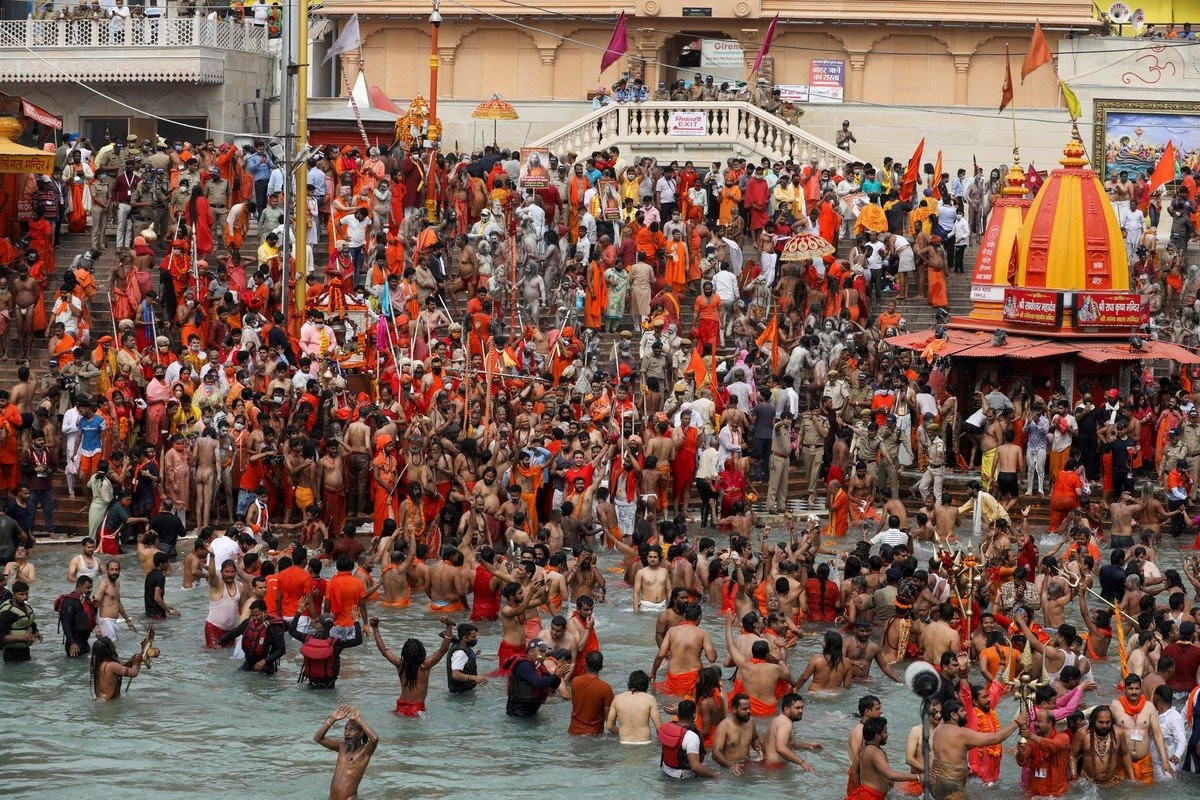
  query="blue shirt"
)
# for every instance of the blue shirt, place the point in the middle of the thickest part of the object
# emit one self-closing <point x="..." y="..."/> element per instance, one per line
<point x="259" y="166"/>
<point x="89" y="431"/>
<point x="872" y="187"/>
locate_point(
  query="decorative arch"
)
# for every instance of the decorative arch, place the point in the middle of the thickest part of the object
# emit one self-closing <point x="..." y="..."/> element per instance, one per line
<point x="498" y="59"/>
<point x="918" y="69"/>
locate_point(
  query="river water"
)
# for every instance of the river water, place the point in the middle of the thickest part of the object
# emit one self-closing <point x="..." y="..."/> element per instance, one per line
<point x="195" y="726"/>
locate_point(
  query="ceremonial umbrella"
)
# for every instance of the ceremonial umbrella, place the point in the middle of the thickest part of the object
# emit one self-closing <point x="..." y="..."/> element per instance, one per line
<point x="805" y="247"/>
<point x="497" y="108"/>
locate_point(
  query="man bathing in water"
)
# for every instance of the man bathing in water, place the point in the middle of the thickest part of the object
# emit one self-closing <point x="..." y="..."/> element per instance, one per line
<point x="107" y="671"/>
<point x="354" y="750"/>
<point x="651" y="584"/>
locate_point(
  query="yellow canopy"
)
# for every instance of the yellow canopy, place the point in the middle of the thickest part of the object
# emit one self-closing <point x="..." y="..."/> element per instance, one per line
<point x="17" y="158"/>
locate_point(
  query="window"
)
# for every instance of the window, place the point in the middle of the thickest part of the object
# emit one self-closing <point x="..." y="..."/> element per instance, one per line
<point x="101" y="130"/>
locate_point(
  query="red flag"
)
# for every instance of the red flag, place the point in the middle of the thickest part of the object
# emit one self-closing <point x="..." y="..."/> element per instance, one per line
<point x="909" y="184"/>
<point x="771" y="334"/>
<point x="936" y="189"/>
<point x="766" y="45"/>
<point x="1032" y="179"/>
<point x="1039" y="52"/>
<point x="1006" y="93"/>
<point x="617" y="45"/>
<point x="1164" y="171"/>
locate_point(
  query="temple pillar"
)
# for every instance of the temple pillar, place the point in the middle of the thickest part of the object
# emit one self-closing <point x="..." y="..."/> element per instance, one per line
<point x="446" y="72"/>
<point x="962" y="64"/>
<point x="547" y="56"/>
<point x="854" y="83"/>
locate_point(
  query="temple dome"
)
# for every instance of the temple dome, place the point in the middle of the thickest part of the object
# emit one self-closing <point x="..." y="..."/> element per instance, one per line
<point x="1071" y="239"/>
<point x="995" y="262"/>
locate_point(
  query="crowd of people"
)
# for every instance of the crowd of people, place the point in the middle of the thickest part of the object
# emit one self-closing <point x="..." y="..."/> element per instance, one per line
<point x="528" y="391"/>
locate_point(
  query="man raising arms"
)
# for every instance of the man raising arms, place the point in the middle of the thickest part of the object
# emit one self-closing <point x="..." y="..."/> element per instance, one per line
<point x="354" y="751"/>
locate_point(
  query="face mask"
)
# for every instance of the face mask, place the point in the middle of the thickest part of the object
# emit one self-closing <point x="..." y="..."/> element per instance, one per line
<point x="239" y="426"/>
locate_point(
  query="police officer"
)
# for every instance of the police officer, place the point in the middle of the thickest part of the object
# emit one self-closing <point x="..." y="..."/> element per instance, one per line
<point x="1190" y="437"/>
<point x="888" y="447"/>
<point x="814" y="429"/>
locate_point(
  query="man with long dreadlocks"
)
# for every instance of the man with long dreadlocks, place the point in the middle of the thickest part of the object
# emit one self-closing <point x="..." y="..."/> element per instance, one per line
<point x="413" y="667"/>
<point x="107" y="671"/>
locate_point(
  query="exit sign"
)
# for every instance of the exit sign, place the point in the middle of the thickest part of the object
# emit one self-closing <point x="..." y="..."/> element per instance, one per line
<point x="696" y="11"/>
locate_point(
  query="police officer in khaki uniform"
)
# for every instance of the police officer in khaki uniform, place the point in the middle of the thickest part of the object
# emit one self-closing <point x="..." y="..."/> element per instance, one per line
<point x="101" y="211"/>
<point x="216" y="191"/>
<point x="781" y="462"/>
<point x="888" y="448"/>
<point x="814" y="429"/>
<point x="935" y="455"/>
<point x="1190" y="437"/>
<point x="1174" y="451"/>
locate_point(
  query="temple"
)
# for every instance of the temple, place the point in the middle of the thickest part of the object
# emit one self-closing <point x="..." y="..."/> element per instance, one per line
<point x="1052" y="304"/>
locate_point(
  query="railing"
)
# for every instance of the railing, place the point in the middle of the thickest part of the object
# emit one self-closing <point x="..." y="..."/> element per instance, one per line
<point x="740" y="125"/>
<point x="195" y="31"/>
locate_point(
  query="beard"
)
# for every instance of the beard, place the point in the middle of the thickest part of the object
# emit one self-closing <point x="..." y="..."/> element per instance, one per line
<point x="353" y="745"/>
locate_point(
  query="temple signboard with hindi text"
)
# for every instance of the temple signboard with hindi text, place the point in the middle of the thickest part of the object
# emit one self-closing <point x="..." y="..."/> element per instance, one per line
<point x="1033" y="307"/>
<point x="1107" y="310"/>
<point x="26" y="162"/>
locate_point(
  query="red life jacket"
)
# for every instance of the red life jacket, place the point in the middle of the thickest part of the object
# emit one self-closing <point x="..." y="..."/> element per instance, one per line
<point x="254" y="637"/>
<point x="670" y="736"/>
<point x="320" y="656"/>
<point x="88" y="607"/>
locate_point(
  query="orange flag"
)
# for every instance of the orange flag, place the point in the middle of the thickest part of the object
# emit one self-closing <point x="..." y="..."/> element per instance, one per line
<point x="771" y="334"/>
<point x="1164" y="171"/>
<point x="936" y="189"/>
<point x="1006" y="93"/>
<point x="1039" y="52"/>
<point x="697" y="368"/>
<point x="909" y="184"/>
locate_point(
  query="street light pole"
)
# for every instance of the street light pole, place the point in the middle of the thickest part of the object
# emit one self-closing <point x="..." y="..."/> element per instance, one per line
<point x="434" y="133"/>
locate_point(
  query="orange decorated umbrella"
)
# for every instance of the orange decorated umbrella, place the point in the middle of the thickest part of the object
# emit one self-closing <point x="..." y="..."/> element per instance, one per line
<point x="805" y="247"/>
<point x="496" y="108"/>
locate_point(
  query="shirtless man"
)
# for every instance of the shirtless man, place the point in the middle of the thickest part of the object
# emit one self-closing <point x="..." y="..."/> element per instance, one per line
<point x="735" y="736"/>
<point x="584" y="578"/>
<point x="414" y="683"/>
<point x="993" y="435"/>
<point x="871" y="763"/>
<point x="860" y="651"/>
<point x="356" y="443"/>
<point x="651" y="584"/>
<point x="634" y="712"/>
<point x="829" y="670"/>
<point x="759" y="676"/>
<point x="779" y="742"/>
<point x="205" y="476"/>
<point x="354" y="750"/>
<point x="1009" y="465"/>
<point x="1122" y="514"/>
<point x="1138" y="720"/>
<point x="109" y="607"/>
<point x="195" y="565"/>
<point x="22" y="395"/>
<point x="331" y="478"/>
<point x="662" y="447"/>
<point x="682" y="646"/>
<point x="397" y="592"/>
<point x="26" y="291"/>
<point x="939" y="636"/>
<point x="448" y="585"/>
<point x="301" y="465"/>
<point x="6" y="313"/>
<point x="945" y="517"/>
<point x="108" y="672"/>
<point x="1104" y="749"/>
<point x="513" y="615"/>
<point x="950" y="743"/>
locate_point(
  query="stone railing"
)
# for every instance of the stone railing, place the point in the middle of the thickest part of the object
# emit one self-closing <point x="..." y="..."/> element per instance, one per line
<point x="195" y="31"/>
<point x="735" y="128"/>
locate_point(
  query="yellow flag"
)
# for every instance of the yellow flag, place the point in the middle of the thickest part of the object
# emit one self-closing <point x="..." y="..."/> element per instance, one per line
<point x="1071" y="100"/>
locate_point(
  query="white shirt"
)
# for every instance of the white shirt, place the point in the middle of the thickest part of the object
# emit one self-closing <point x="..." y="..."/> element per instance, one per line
<point x="1175" y="738"/>
<point x="726" y="286"/>
<point x="787" y="400"/>
<point x="891" y="536"/>
<point x="70" y="426"/>
<point x="665" y="189"/>
<point x="735" y="255"/>
<point x="262" y="12"/>
<point x="223" y="548"/>
<point x="459" y="660"/>
<point x="356" y="230"/>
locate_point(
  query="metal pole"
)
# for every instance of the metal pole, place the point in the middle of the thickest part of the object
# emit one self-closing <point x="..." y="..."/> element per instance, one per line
<point x="302" y="48"/>
<point x="434" y="126"/>
<point x="288" y="30"/>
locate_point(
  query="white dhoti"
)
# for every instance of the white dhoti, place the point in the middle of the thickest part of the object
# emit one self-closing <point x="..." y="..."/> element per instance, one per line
<point x="646" y="605"/>
<point x="626" y="514"/>
<point x="768" y="266"/>
<point x="108" y="627"/>
<point x="904" y="426"/>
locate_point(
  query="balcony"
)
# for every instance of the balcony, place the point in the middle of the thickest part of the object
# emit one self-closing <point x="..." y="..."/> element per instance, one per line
<point x="185" y="49"/>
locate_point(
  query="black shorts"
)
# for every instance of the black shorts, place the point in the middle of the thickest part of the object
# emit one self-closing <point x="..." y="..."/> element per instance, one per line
<point x="1121" y="542"/>
<point x="972" y="428"/>
<point x="1007" y="485"/>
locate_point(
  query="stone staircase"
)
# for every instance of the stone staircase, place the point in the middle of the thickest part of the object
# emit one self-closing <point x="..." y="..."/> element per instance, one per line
<point x="716" y="131"/>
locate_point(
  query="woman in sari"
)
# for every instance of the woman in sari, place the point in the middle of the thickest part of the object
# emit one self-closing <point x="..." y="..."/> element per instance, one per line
<point x="101" y="489"/>
<point x="617" y="279"/>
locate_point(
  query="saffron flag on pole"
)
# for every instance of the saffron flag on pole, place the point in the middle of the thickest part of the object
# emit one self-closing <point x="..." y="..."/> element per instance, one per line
<point x="766" y="45"/>
<point x="909" y="184"/>
<point x="1071" y="100"/>
<point x="936" y="189"/>
<point x="770" y="335"/>
<point x="618" y="45"/>
<point x="349" y="39"/>
<point x="1164" y="171"/>
<point x="1039" y="52"/>
<point x="1006" y="93"/>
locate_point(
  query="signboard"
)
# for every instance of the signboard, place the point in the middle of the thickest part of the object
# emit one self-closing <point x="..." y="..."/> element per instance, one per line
<point x="987" y="292"/>
<point x="1108" y="310"/>
<point x="610" y="200"/>
<point x="793" y="92"/>
<point x="535" y="168"/>
<point x="1033" y="307"/>
<point x="26" y="162"/>
<point x="696" y="11"/>
<point x="688" y="123"/>
<point x="40" y="116"/>
<point x="721" y="53"/>
<point x="826" y="80"/>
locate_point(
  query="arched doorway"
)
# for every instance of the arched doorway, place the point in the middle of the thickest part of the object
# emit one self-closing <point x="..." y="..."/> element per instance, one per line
<point x="685" y="54"/>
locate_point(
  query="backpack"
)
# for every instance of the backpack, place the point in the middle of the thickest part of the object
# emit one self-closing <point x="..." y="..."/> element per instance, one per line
<point x="89" y="610"/>
<point x="319" y="658"/>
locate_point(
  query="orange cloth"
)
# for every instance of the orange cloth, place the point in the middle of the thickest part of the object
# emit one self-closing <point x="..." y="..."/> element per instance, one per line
<point x="839" y="520"/>
<point x="864" y="792"/>
<point x="680" y="683"/>
<point x="597" y="296"/>
<point x="455" y="607"/>
<point x="343" y="592"/>
<point x="1143" y="771"/>
<point x="677" y="265"/>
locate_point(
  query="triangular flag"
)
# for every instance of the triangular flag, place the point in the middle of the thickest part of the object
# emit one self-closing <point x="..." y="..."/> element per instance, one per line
<point x="936" y="189"/>
<point x="1006" y="93"/>
<point x="347" y="40"/>
<point x="360" y="94"/>
<point x="1032" y="179"/>
<point x="1164" y="171"/>
<point x="618" y="45"/>
<point x="1071" y="100"/>
<point x="909" y="184"/>
<point x="766" y="45"/>
<point x="771" y="334"/>
<point x="1039" y="52"/>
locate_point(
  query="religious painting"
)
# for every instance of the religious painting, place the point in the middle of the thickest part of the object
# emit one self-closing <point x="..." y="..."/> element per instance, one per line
<point x="535" y="168"/>
<point x="1130" y="136"/>
<point x="610" y="200"/>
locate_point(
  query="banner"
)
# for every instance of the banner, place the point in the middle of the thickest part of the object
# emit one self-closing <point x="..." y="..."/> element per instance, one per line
<point x="688" y="123"/>
<point x="535" y="168"/>
<point x="1108" y="310"/>
<point x="17" y="163"/>
<point x="1033" y="306"/>
<point x="793" y="92"/>
<point x="726" y="53"/>
<point x="40" y="116"/>
<point x="827" y="80"/>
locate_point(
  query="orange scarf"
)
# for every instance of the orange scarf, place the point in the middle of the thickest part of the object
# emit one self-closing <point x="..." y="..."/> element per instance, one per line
<point x="1130" y="708"/>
